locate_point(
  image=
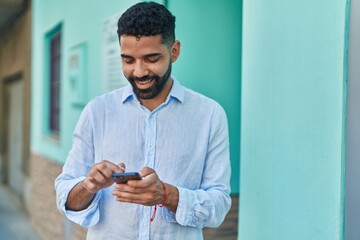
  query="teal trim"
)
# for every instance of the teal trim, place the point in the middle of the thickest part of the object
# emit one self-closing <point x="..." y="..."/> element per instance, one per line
<point x="343" y="147"/>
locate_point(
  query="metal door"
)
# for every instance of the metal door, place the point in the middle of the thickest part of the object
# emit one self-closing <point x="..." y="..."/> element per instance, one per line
<point x="15" y="135"/>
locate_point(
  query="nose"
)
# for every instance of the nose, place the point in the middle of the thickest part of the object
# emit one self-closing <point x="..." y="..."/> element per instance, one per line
<point x="140" y="69"/>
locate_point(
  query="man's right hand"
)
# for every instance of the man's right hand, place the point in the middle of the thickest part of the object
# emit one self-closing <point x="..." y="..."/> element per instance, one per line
<point x="99" y="176"/>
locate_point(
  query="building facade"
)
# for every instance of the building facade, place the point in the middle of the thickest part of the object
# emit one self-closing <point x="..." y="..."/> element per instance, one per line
<point x="15" y="99"/>
<point x="287" y="62"/>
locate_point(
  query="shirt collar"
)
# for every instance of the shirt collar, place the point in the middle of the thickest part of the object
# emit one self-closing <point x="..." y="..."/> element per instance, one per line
<point x="177" y="92"/>
<point x="127" y="93"/>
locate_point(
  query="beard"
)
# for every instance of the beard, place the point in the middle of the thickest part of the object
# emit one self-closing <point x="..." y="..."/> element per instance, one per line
<point x="155" y="89"/>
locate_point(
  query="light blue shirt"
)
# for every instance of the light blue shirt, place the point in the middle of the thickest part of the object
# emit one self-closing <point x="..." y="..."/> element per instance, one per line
<point x="185" y="140"/>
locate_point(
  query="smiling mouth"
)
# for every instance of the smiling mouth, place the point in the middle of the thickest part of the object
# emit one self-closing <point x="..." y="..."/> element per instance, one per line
<point x="144" y="82"/>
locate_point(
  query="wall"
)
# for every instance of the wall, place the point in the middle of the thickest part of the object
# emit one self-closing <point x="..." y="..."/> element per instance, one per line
<point x="210" y="59"/>
<point x="293" y="104"/>
<point x="81" y="23"/>
<point x="15" y="62"/>
<point x="45" y="217"/>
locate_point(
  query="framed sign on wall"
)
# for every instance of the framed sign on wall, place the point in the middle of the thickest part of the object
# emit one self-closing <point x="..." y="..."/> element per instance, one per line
<point x="77" y="74"/>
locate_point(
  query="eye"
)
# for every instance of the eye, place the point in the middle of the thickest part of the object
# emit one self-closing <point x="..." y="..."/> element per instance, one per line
<point x="153" y="59"/>
<point x="127" y="60"/>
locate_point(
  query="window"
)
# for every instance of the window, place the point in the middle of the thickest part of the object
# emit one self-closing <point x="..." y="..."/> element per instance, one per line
<point x="54" y="104"/>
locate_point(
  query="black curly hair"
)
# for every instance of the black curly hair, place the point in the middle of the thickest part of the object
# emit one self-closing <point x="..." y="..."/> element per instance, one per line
<point x="148" y="19"/>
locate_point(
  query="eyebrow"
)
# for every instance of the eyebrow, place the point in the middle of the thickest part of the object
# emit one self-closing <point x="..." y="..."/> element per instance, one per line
<point x="125" y="56"/>
<point x="147" y="55"/>
<point x="153" y="55"/>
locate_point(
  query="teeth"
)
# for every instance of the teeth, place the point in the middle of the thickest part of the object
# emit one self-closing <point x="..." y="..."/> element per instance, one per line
<point x="144" y="82"/>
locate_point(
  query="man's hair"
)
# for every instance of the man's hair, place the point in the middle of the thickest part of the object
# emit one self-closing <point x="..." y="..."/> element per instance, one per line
<point x="148" y="19"/>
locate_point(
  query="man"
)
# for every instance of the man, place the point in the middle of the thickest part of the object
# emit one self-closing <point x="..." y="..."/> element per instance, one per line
<point x="177" y="139"/>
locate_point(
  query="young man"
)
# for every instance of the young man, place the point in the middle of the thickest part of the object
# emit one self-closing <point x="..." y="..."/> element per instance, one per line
<point x="177" y="139"/>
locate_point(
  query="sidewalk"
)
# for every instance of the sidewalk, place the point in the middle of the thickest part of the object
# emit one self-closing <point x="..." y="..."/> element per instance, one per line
<point x="14" y="224"/>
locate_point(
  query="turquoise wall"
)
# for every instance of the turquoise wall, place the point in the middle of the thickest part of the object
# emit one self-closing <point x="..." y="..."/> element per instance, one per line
<point x="210" y="33"/>
<point x="292" y="142"/>
<point x="81" y="22"/>
<point x="210" y="59"/>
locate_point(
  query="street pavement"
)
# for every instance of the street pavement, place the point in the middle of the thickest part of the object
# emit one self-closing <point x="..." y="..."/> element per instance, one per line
<point x="14" y="225"/>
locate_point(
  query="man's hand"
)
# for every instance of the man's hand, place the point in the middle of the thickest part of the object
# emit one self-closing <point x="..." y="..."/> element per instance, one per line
<point x="98" y="177"/>
<point x="149" y="191"/>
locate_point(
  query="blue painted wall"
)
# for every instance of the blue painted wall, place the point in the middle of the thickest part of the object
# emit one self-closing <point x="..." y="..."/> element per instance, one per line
<point x="210" y="32"/>
<point x="292" y="142"/>
<point x="210" y="59"/>
<point x="80" y="22"/>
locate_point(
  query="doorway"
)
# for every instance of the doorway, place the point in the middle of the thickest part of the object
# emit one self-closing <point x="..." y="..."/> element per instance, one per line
<point x="14" y="91"/>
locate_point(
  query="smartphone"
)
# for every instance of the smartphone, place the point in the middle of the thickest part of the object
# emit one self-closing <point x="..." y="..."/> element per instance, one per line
<point x="124" y="177"/>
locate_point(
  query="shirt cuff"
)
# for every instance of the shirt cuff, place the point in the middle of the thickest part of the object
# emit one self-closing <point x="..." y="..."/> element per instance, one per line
<point x="184" y="211"/>
<point x="87" y="217"/>
<point x="168" y="215"/>
<point x="185" y="207"/>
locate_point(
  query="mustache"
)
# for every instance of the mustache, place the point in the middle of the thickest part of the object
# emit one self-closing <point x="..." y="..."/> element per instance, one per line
<point x="142" y="79"/>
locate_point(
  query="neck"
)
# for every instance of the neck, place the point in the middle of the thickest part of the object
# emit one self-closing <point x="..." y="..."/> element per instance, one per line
<point x="153" y="103"/>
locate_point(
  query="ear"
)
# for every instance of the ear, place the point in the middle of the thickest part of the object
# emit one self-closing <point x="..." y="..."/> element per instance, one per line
<point x="175" y="51"/>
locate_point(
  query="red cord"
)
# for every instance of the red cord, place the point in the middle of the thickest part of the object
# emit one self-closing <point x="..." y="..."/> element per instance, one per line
<point x="154" y="214"/>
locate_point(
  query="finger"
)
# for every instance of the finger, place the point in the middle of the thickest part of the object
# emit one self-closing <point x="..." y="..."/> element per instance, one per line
<point x="126" y="188"/>
<point x="93" y="175"/>
<point x="130" y="197"/>
<point x="90" y="186"/>
<point x="138" y="183"/>
<point x="135" y="198"/>
<point x="106" y="168"/>
<point x="103" y="169"/>
<point x="146" y="171"/>
<point x="149" y="177"/>
<point x="122" y="166"/>
<point x="100" y="177"/>
<point x="101" y="174"/>
<point x="125" y="195"/>
<point x="113" y="167"/>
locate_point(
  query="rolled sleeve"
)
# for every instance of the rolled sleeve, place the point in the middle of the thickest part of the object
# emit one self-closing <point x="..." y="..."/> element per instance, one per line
<point x="202" y="209"/>
<point x="87" y="217"/>
<point x="199" y="208"/>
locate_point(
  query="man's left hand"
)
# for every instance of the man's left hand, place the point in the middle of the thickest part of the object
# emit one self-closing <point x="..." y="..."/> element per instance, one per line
<point x="148" y="191"/>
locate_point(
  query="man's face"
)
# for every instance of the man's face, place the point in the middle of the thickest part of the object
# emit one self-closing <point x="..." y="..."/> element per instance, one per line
<point x="146" y="64"/>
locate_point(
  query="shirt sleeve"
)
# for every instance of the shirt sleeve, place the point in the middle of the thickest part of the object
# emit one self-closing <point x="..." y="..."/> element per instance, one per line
<point x="87" y="217"/>
<point x="207" y="206"/>
<point x="79" y="161"/>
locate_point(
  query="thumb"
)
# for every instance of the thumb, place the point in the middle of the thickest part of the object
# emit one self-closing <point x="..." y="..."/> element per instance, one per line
<point x="146" y="171"/>
<point x="122" y="166"/>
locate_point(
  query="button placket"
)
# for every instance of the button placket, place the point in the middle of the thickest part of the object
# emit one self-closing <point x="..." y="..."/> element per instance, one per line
<point x="149" y="146"/>
<point x="150" y="136"/>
